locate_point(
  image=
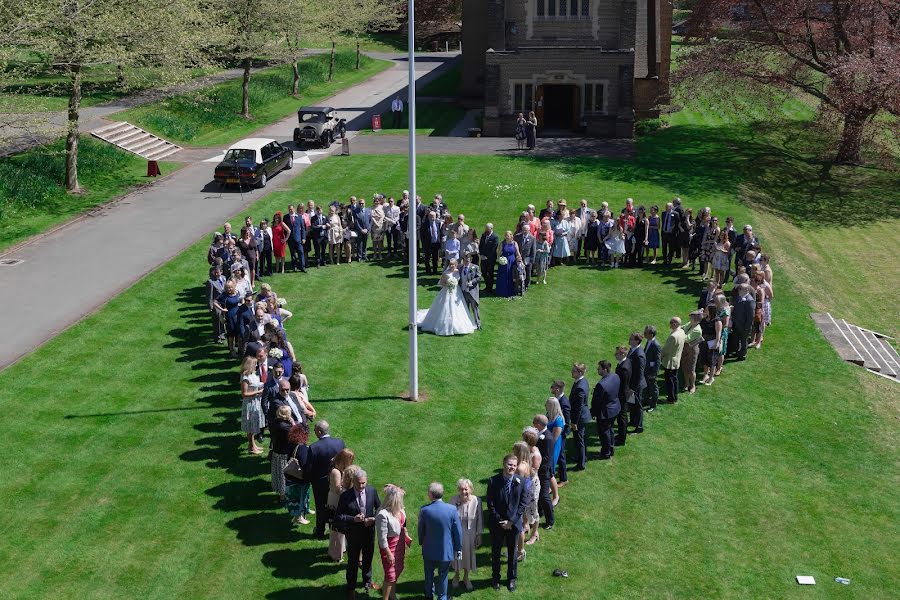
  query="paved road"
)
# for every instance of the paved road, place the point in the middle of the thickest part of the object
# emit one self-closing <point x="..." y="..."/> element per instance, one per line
<point x="74" y="270"/>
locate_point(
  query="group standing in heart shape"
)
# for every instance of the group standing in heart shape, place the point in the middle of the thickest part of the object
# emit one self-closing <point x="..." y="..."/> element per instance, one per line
<point x="275" y="391"/>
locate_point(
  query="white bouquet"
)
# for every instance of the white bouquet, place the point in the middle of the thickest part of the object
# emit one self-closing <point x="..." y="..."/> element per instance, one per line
<point x="276" y="353"/>
<point x="452" y="283"/>
<point x="281" y="302"/>
<point x="502" y="261"/>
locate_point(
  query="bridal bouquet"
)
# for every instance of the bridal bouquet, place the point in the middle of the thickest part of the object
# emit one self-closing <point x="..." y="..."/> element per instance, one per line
<point x="276" y="353"/>
<point x="281" y="302"/>
<point x="452" y="283"/>
<point x="502" y="261"/>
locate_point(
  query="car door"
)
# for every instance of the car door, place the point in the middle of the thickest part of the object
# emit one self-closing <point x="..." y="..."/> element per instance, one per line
<point x="283" y="154"/>
<point x="268" y="156"/>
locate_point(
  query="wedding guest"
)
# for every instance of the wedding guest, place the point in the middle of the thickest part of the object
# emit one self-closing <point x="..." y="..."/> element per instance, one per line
<point x="542" y="258"/>
<point x="668" y="232"/>
<point x="723" y="311"/>
<point x="264" y="248"/>
<point x="638" y="382"/>
<point x="355" y="515"/>
<point x="468" y="507"/>
<point x="300" y="392"/>
<point x="280" y="234"/>
<point x="671" y="358"/>
<point x="337" y="485"/>
<point x="626" y="394"/>
<point x="296" y="491"/>
<point x="378" y="226"/>
<point x="247" y="245"/>
<point x="641" y="235"/>
<point x="605" y="406"/>
<point x="335" y="234"/>
<point x="318" y="468"/>
<point x="581" y="414"/>
<point x="721" y="260"/>
<point x="520" y="276"/>
<point x="451" y="247"/>
<point x="430" y="234"/>
<point x="615" y="244"/>
<point x="506" y="501"/>
<point x="711" y="330"/>
<point x="693" y="337"/>
<point x="576" y="226"/>
<point x="362" y="225"/>
<point x="216" y="249"/>
<point x="531" y="130"/>
<point x="393" y="540"/>
<point x="561" y="230"/>
<point x="708" y="247"/>
<point x="531" y="518"/>
<point x="652" y="242"/>
<point x="215" y="287"/>
<point x="281" y="448"/>
<point x="440" y="536"/>
<point x="520" y="132"/>
<point x="762" y="293"/>
<point x="527" y="246"/>
<point x="558" y="389"/>
<point x="471" y="246"/>
<point x="556" y="423"/>
<point x="252" y="419"/>
<point x="509" y="254"/>
<point x="652" y="351"/>
<point x="545" y="472"/>
<point x="349" y="235"/>
<point x="592" y="239"/>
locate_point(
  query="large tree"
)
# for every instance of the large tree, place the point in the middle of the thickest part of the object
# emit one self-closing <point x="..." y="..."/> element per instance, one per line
<point x="72" y="36"/>
<point x="364" y="16"/>
<point x="844" y="53"/>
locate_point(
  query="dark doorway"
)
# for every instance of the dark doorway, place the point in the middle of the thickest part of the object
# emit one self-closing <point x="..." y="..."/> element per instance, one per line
<point x="559" y="101"/>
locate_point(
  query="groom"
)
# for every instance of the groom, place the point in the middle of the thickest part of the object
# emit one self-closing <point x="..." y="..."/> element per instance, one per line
<point x="470" y="278"/>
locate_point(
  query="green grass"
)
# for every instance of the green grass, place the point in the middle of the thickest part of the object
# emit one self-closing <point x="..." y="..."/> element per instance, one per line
<point x="432" y="118"/>
<point x="211" y="117"/>
<point x="771" y="472"/>
<point x="32" y="185"/>
<point x="445" y="85"/>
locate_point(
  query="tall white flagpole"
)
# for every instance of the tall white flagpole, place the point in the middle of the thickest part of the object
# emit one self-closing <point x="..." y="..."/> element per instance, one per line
<point x="411" y="221"/>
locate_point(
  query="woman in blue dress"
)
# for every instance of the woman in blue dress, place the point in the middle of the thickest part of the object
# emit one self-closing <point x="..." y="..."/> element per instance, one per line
<point x="555" y="425"/>
<point x="510" y="251"/>
<point x="228" y="304"/>
<point x="653" y="236"/>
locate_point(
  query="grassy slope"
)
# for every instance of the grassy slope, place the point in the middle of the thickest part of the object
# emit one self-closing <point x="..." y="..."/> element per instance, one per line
<point x="32" y="193"/>
<point x="211" y="117"/>
<point x="772" y="472"/>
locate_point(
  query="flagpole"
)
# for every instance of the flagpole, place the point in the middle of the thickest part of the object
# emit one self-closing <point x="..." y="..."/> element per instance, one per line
<point x="411" y="215"/>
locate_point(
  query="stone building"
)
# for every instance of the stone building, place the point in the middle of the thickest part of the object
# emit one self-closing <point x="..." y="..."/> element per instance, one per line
<point x="583" y="66"/>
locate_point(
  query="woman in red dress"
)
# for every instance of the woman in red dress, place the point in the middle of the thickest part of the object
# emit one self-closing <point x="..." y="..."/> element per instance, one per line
<point x="280" y="233"/>
<point x="390" y="529"/>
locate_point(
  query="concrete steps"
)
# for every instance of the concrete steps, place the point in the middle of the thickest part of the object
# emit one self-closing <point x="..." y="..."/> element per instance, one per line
<point x="135" y="140"/>
<point x="860" y="346"/>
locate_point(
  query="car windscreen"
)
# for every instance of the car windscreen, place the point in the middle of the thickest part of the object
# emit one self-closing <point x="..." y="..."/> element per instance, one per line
<point x="311" y="117"/>
<point x="238" y="154"/>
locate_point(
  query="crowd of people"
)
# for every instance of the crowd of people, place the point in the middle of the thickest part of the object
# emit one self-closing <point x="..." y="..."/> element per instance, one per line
<point x="326" y="475"/>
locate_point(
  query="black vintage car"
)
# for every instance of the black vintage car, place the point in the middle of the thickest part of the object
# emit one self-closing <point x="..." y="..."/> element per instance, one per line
<point x="252" y="161"/>
<point x="318" y="125"/>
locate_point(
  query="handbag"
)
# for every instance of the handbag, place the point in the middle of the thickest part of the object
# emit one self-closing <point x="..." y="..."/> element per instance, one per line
<point x="293" y="468"/>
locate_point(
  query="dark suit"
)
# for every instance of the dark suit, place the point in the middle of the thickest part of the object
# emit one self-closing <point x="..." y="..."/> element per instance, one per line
<point x="317" y="469"/>
<point x="362" y="220"/>
<point x="528" y="249"/>
<point x="637" y="384"/>
<point x="581" y="416"/>
<point x="653" y="352"/>
<point x="505" y="506"/>
<point x="626" y="393"/>
<point x="360" y="537"/>
<point x="706" y="297"/>
<point x="430" y="233"/>
<point x="317" y="235"/>
<point x="605" y="406"/>
<point x="566" y="407"/>
<point x="667" y="228"/>
<point x="741" y="324"/>
<point x="487" y="247"/>
<point x="545" y="472"/>
<point x="297" y="240"/>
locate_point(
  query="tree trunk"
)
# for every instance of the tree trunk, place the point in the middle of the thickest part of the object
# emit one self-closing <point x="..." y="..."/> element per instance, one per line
<point x="245" y="89"/>
<point x="851" y="139"/>
<point x="331" y="62"/>
<point x="72" y="131"/>
<point x="357" y="54"/>
<point x="120" y="76"/>
<point x="295" y="87"/>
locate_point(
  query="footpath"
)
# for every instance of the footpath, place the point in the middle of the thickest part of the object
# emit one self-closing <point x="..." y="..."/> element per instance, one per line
<point x="74" y="270"/>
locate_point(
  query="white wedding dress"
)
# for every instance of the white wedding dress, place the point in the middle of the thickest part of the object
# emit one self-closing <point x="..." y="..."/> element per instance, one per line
<point x="448" y="314"/>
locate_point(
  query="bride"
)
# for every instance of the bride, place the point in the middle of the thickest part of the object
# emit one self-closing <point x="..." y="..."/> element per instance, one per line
<point x="448" y="314"/>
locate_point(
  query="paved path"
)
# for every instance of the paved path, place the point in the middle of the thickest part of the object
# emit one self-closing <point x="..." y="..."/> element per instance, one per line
<point x="74" y="270"/>
<point x="397" y="144"/>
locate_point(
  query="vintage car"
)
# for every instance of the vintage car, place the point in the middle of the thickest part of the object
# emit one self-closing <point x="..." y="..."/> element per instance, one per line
<point x="252" y="162"/>
<point x="318" y="125"/>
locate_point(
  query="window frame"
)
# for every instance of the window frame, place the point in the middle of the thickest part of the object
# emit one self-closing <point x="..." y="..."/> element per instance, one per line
<point x="594" y="85"/>
<point x="518" y="92"/>
<point x="562" y="10"/>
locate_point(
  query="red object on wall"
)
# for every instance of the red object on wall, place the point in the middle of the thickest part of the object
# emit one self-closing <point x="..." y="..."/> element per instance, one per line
<point x="153" y="168"/>
<point x="376" y="122"/>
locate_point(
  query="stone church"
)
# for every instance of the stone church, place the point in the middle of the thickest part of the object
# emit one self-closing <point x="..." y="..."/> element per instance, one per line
<point x="585" y="67"/>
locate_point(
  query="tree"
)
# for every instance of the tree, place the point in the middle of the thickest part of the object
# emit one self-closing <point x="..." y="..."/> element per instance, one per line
<point x="75" y="35"/>
<point x="298" y="26"/>
<point x="842" y="52"/>
<point x="364" y="16"/>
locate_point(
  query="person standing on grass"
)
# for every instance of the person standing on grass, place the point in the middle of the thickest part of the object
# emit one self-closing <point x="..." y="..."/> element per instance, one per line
<point x="527" y="249"/>
<point x="506" y="500"/>
<point x="693" y="337"/>
<point x="317" y="469"/>
<point x="355" y="516"/>
<point x="653" y="232"/>
<point x="668" y="232"/>
<point x="711" y="328"/>
<point x="279" y="428"/>
<point x="378" y="226"/>
<point x="390" y="530"/>
<point x="556" y="424"/>
<point x="215" y="287"/>
<point x="558" y="389"/>
<point x="545" y="472"/>
<point x="605" y="406"/>
<point x="638" y="383"/>
<point x="397" y="111"/>
<point x="252" y="419"/>
<point x="296" y="491"/>
<point x="440" y="536"/>
<point x="652" y="352"/>
<point x="468" y="507"/>
<point x="362" y="224"/>
<point x="281" y="233"/>
<point x="626" y="394"/>
<point x="580" y="414"/>
<point x="487" y="250"/>
<point x="247" y="246"/>
<point x="531" y="518"/>
<point x="671" y="358"/>
<point x="265" y="246"/>
<point x="723" y="310"/>
<point x="338" y="483"/>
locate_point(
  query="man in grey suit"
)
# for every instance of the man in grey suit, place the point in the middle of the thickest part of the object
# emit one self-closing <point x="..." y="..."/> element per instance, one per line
<point x="652" y="353"/>
<point x="362" y="223"/>
<point x="528" y="249"/>
<point x="470" y="279"/>
<point x="742" y="320"/>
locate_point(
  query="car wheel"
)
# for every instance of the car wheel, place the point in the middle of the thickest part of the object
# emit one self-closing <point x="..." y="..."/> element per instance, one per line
<point x="263" y="180"/>
<point x="290" y="162"/>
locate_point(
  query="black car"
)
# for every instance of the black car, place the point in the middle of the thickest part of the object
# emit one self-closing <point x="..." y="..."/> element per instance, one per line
<point x="252" y="161"/>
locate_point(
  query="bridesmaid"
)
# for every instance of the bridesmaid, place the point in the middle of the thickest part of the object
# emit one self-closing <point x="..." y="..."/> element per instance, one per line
<point x="653" y="232"/>
<point x="468" y="505"/>
<point x="280" y="233"/>
<point x="338" y="483"/>
<point x="393" y="540"/>
<point x="510" y="251"/>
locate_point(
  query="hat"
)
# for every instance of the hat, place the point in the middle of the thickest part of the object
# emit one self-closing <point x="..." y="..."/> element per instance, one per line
<point x="697" y="313"/>
<point x="562" y="203"/>
<point x="249" y="294"/>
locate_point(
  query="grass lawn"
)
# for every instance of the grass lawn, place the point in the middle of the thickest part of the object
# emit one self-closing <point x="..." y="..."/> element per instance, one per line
<point x="772" y="472"/>
<point x="432" y="118"/>
<point x="211" y="117"/>
<point x="446" y="85"/>
<point x="32" y="185"/>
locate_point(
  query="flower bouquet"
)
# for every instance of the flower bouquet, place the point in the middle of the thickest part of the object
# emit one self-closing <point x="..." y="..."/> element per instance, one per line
<point x="276" y="353"/>
<point x="452" y="283"/>
<point x="502" y="261"/>
<point x="281" y="302"/>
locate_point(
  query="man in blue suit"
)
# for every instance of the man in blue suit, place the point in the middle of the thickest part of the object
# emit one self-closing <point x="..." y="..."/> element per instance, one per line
<point x="581" y="414"/>
<point x="298" y="238"/>
<point x="440" y="535"/>
<point x="605" y="406"/>
<point x="506" y="500"/>
<point x="362" y="223"/>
